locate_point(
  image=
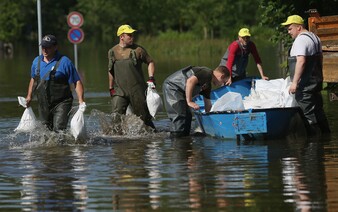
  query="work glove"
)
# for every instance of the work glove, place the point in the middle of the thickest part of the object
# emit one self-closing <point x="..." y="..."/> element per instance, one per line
<point x="111" y="91"/>
<point x="82" y="106"/>
<point x="151" y="83"/>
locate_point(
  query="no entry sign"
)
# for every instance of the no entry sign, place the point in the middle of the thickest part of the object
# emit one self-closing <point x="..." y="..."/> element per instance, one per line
<point x="75" y="35"/>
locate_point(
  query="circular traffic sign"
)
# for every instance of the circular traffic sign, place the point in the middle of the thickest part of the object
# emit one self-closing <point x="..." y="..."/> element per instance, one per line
<point x="75" y="35"/>
<point x="75" y="19"/>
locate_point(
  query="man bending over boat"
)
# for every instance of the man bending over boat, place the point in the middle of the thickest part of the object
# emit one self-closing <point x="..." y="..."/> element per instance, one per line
<point x="179" y="90"/>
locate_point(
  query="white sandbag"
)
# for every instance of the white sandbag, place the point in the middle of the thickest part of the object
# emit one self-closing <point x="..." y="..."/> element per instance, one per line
<point x="28" y="120"/>
<point x="274" y="85"/>
<point x="262" y="99"/>
<point x="130" y="110"/>
<point x="77" y="124"/>
<point x="229" y="101"/>
<point x="288" y="99"/>
<point x="270" y="94"/>
<point x="154" y="101"/>
<point x="22" y="101"/>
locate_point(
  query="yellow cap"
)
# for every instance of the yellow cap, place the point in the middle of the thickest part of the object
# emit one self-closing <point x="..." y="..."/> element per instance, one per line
<point x="293" y="19"/>
<point x="244" y="32"/>
<point x="125" y="29"/>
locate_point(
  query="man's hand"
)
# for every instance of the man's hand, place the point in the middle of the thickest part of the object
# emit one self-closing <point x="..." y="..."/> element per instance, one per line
<point x="265" y="78"/>
<point x="82" y="106"/>
<point x="151" y="83"/>
<point x="293" y="88"/>
<point x="111" y="91"/>
<point x="193" y="105"/>
<point x="229" y="81"/>
<point x="28" y="101"/>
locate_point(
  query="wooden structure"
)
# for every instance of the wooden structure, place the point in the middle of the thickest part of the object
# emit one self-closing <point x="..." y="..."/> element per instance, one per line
<point x="326" y="27"/>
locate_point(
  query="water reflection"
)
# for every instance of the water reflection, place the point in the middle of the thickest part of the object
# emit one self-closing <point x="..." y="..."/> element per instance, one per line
<point x="302" y="172"/>
<point x="153" y="164"/>
<point x="155" y="173"/>
<point x="80" y="184"/>
<point x="51" y="180"/>
<point x="240" y="172"/>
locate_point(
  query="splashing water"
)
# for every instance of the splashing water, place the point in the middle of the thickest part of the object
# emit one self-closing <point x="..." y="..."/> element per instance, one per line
<point x="118" y="124"/>
<point x="101" y="128"/>
<point x="39" y="137"/>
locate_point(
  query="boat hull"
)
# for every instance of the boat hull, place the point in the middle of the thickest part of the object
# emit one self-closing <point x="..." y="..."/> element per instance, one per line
<point x="279" y="123"/>
<point x="268" y="122"/>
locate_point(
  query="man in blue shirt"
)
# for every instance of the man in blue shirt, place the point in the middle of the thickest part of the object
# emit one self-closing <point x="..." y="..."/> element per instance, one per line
<point x="52" y="75"/>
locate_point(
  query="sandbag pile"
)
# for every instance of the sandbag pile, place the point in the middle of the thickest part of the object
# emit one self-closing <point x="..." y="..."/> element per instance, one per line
<point x="270" y="94"/>
<point x="265" y="94"/>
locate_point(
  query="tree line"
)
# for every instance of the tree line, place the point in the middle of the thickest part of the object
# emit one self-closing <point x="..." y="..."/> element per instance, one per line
<point x="202" y="19"/>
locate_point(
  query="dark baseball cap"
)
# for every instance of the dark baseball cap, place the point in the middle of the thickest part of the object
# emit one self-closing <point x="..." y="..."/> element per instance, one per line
<point x="48" y="41"/>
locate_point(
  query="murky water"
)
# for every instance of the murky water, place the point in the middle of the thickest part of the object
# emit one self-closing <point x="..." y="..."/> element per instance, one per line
<point x="144" y="171"/>
<point x="136" y="170"/>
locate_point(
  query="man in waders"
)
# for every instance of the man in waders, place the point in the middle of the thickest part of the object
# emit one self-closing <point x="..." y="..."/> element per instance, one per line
<point x="51" y="77"/>
<point x="305" y="64"/>
<point x="179" y="90"/>
<point x="236" y="57"/>
<point x="126" y="80"/>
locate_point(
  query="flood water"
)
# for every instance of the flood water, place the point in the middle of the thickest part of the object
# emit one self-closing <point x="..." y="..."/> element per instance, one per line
<point x="140" y="171"/>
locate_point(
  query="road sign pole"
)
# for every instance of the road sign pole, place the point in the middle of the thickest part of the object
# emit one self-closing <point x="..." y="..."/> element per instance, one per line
<point x="75" y="55"/>
<point x="38" y="5"/>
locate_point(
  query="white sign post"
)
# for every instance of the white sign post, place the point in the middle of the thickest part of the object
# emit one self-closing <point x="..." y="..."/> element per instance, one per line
<point x="38" y="5"/>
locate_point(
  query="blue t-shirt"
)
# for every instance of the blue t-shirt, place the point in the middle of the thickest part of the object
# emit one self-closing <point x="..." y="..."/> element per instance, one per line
<point x="65" y="69"/>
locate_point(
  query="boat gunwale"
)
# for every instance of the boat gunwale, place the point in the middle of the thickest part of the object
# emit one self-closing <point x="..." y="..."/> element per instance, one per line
<point x="248" y="111"/>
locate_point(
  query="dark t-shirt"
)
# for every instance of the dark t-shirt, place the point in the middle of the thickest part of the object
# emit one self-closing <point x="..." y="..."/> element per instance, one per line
<point x="204" y="76"/>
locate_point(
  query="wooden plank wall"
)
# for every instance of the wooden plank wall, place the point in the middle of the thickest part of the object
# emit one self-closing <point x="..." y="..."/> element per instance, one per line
<point x="326" y="28"/>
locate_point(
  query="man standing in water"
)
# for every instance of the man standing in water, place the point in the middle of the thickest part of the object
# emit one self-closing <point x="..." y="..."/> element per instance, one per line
<point x="179" y="90"/>
<point x="126" y="80"/>
<point x="305" y="64"/>
<point x="51" y="77"/>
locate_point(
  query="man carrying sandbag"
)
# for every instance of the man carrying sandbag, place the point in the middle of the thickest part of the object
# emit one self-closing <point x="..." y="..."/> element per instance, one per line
<point x="52" y="75"/>
<point x="126" y="80"/>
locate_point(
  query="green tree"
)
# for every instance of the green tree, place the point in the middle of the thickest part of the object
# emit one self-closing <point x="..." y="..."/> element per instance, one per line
<point x="275" y="12"/>
<point x="100" y="18"/>
<point x="11" y="21"/>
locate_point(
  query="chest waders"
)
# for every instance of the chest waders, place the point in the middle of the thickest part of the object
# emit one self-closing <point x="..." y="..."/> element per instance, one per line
<point x="54" y="97"/>
<point x="130" y="87"/>
<point x="312" y="77"/>
<point x="240" y="62"/>
<point x="308" y="94"/>
<point x="175" y="101"/>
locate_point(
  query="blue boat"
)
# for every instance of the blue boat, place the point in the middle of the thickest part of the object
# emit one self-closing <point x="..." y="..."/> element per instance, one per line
<point x="270" y="123"/>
